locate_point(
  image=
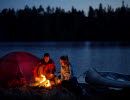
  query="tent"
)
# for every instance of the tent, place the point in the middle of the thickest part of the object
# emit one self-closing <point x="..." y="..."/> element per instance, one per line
<point x="17" y="66"/>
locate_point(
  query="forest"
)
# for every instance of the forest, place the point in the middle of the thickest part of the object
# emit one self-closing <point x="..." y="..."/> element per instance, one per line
<point x="56" y="24"/>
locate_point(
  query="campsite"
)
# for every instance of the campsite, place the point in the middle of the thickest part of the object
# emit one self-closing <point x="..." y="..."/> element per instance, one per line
<point x="64" y="50"/>
<point x="16" y="77"/>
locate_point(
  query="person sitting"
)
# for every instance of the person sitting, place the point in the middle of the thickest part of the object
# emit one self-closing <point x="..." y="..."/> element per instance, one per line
<point x="67" y="71"/>
<point x="44" y="67"/>
<point x="68" y="77"/>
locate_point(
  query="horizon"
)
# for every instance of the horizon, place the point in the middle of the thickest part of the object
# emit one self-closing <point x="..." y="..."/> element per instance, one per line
<point x="66" y="5"/>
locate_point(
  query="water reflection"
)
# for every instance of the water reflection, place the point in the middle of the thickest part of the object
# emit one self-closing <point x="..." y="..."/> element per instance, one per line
<point x="104" y="56"/>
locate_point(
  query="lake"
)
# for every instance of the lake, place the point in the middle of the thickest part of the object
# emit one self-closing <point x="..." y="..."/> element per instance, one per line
<point x="104" y="56"/>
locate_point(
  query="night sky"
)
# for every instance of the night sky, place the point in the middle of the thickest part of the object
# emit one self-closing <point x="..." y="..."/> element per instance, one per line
<point x="66" y="4"/>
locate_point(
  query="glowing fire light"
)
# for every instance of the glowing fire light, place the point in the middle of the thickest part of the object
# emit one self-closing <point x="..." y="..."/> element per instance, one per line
<point x="44" y="79"/>
<point x="44" y="82"/>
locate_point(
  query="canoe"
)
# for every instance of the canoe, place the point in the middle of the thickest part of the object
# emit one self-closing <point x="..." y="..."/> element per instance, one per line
<point x="108" y="79"/>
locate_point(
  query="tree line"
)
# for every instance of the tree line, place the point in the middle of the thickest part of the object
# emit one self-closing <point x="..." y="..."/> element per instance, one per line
<point x="56" y="24"/>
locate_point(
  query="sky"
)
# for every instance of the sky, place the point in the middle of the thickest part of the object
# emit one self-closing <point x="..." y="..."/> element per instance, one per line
<point x="65" y="4"/>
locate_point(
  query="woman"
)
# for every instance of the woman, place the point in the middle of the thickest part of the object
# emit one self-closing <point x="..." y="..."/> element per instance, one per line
<point x="67" y="71"/>
<point x="68" y="78"/>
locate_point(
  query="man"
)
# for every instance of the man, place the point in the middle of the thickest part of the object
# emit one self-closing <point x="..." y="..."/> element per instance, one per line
<point x="44" y="67"/>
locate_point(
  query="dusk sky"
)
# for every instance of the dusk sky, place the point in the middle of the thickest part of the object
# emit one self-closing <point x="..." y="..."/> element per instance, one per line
<point x="66" y="4"/>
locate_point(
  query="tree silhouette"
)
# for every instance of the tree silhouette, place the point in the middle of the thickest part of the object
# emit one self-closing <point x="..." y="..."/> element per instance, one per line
<point x="56" y="24"/>
<point x="91" y="13"/>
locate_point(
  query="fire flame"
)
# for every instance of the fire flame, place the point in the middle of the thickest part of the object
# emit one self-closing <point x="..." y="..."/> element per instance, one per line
<point x="44" y="82"/>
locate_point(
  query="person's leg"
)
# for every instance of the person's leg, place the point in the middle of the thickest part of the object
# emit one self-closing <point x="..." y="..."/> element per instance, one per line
<point x="74" y="81"/>
<point x="66" y="83"/>
<point x="75" y="87"/>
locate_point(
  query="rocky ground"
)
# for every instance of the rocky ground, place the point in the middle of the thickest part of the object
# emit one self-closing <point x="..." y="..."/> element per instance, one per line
<point x="89" y="92"/>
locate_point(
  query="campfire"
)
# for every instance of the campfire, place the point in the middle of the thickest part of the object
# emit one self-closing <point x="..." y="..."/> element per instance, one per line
<point x="44" y="81"/>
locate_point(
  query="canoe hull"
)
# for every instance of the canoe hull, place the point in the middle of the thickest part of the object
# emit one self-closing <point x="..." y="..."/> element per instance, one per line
<point x="103" y="79"/>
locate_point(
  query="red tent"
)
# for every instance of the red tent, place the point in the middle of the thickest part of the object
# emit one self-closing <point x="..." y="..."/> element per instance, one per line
<point x="16" y="66"/>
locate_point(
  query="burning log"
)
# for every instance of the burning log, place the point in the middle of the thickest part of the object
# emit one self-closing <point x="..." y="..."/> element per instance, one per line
<point x="45" y="82"/>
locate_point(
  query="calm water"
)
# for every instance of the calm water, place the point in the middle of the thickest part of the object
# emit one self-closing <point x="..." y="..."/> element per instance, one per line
<point x="104" y="56"/>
